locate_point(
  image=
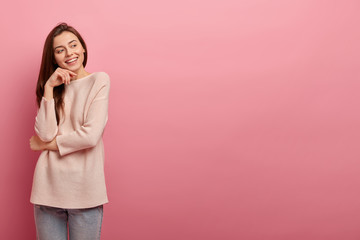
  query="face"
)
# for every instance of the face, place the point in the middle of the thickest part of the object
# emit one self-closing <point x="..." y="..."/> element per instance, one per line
<point x="68" y="51"/>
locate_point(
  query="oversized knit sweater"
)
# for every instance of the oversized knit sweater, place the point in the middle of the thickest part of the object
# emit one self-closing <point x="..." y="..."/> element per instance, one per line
<point x="73" y="176"/>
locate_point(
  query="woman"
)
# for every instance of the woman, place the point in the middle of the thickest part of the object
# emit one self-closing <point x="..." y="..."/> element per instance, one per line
<point x="69" y="182"/>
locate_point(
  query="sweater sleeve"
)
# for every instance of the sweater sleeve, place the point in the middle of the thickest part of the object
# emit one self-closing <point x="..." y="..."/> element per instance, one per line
<point x="45" y="121"/>
<point x="89" y="134"/>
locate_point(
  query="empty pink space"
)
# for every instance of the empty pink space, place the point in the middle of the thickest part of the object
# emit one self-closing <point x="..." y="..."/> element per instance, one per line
<point x="227" y="119"/>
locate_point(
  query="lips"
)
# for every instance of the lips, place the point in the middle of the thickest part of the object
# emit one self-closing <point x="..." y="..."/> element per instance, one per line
<point x="72" y="60"/>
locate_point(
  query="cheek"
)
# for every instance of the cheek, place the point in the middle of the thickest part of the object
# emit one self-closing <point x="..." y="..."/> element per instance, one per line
<point x="80" y="52"/>
<point x="57" y="59"/>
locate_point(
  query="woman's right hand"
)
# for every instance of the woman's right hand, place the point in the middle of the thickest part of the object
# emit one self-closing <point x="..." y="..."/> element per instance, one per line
<point x="60" y="76"/>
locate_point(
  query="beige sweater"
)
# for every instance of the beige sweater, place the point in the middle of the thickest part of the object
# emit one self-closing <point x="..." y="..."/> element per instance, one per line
<point x="73" y="177"/>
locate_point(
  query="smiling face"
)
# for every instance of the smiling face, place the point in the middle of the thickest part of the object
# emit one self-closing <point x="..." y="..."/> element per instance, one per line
<point x="68" y="52"/>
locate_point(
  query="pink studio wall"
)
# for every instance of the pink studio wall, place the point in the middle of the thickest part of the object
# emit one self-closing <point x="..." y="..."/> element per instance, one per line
<point x="228" y="119"/>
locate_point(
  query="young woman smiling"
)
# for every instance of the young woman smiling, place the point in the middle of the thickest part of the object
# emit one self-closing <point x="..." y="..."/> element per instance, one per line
<point x="69" y="187"/>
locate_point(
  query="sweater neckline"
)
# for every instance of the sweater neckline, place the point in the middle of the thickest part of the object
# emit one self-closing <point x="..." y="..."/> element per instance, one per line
<point x="80" y="79"/>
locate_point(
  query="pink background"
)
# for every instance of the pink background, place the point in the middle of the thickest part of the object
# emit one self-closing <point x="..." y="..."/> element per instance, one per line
<point x="228" y="119"/>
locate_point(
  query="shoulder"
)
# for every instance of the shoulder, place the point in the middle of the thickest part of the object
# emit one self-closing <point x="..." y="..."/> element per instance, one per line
<point x="101" y="84"/>
<point x="102" y="78"/>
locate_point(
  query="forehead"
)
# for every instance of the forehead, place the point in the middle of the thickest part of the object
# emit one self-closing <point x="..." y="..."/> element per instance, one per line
<point x="64" y="38"/>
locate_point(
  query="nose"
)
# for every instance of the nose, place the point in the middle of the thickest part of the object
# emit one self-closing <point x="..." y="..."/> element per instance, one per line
<point x="69" y="52"/>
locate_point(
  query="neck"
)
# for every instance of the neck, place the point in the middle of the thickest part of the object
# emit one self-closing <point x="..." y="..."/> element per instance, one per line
<point x="81" y="73"/>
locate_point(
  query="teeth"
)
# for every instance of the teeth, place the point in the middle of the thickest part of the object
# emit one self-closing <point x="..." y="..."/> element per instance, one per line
<point x="72" y="60"/>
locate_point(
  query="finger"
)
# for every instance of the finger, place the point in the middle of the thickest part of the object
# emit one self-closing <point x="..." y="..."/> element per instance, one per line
<point x="67" y="78"/>
<point x="63" y="77"/>
<point x="57" y="74"/>
<point x="68" y="72"/>
<point x="60" y="71"/>
<point x="71" y="73"/>
<point x="71" y="76"/>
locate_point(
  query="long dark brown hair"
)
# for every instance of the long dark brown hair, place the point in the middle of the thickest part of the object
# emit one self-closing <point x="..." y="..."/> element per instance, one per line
<point x="49" y="65"/>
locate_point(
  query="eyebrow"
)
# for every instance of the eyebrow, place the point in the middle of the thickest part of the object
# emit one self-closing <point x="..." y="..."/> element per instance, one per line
<point x="63" y="46"/>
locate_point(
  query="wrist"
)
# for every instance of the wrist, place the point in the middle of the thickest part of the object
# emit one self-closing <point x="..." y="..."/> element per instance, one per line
<point x="48" y="87"/>
<point x="48" y="91"/>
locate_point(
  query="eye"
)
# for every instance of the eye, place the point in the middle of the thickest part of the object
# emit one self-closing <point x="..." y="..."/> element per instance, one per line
<point x="74" y="45"/>
<point x="59" y="51"/>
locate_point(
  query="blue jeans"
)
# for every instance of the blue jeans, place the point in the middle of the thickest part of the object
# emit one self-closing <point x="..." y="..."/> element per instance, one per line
<point x="52" y="223"/>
